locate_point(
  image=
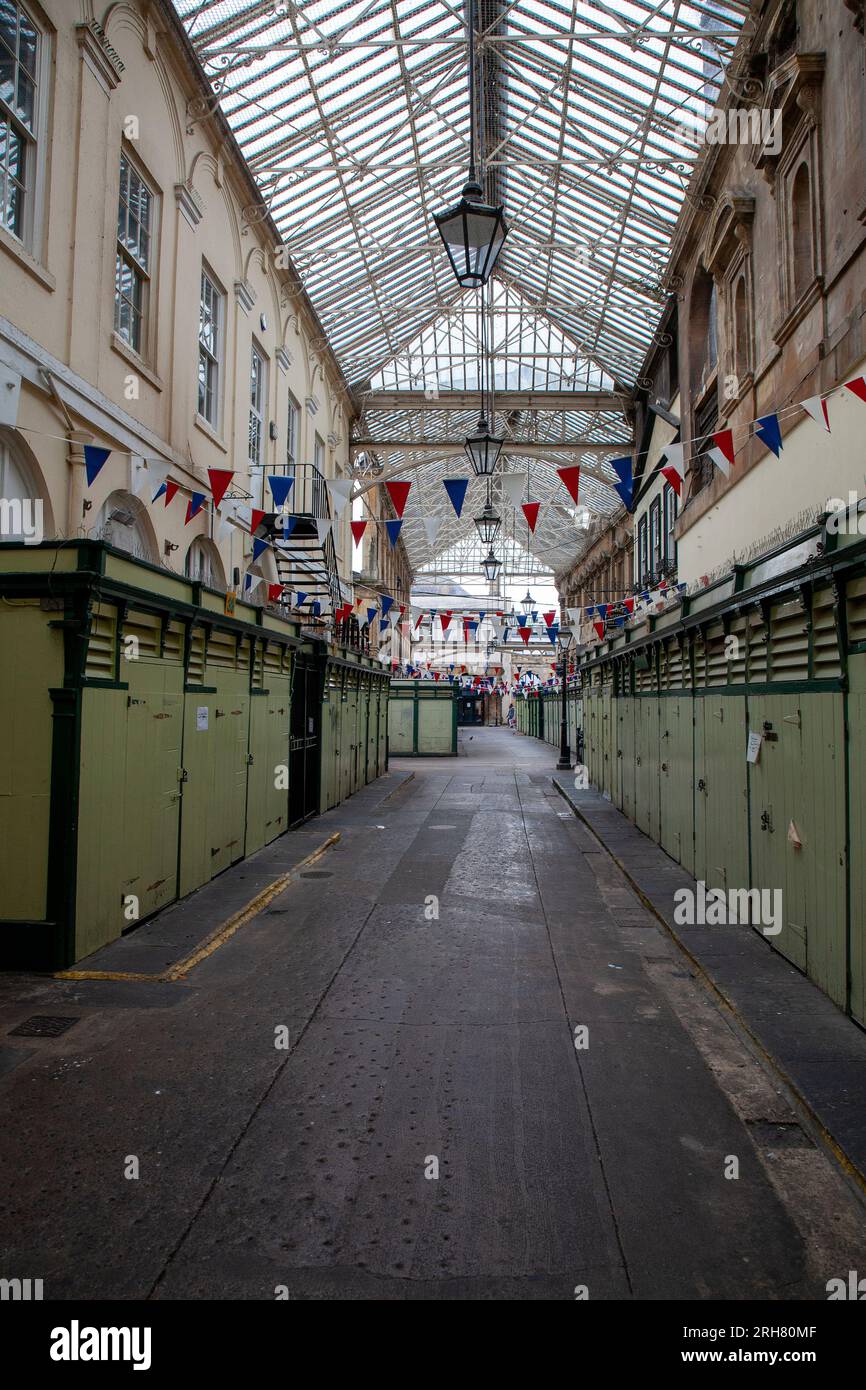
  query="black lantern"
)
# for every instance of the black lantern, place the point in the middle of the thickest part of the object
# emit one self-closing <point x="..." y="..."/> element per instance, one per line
<point x="483" y="449"/>
<point x="528" y="602"/>
<point x="491" y="567"/>
<point x="474" y="234"/>
<point x="488" y="524"/>
<point x="473" y="231"/>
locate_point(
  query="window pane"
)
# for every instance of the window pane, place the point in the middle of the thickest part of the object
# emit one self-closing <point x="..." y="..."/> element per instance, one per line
<point x="7" y="76"/>
<point x="26" y="44"/>
<point x="7" y="24"/>
<point x="26" y="98"/>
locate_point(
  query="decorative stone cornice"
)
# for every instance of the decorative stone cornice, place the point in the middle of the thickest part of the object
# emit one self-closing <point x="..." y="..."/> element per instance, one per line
<point x="104" y="61"/>
<point x="245" y="295"/>
<point x="284" y="359"/>
<point x="189" y="203"/>
<point x="732" y="221"/>
<point x="312" y="405"/>
<point x="794" y="86"/>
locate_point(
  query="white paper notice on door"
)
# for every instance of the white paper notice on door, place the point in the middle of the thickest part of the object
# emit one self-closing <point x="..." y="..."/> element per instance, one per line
<point x="753" y="750"/>
<point x="201" y="718"/>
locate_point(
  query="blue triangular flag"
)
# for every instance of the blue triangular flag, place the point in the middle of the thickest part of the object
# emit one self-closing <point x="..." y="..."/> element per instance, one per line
<point x="387" y="603"/>
<point x="393" y="529"/>
<point x="553" y="633"/>
<point x="456" y="489"/>
<point x="194" y="506"/>
<point x="160" y="491"/>
<point x="258" y="547"/>
<point x="280" y="488"/>
<point x="521" y="620"/>
<point x="371" y="613"/>
<point x="601" y="609"/>
<point x="248" y="581"/>
<point x="622" y="467"/>
<point x="315" y="608"/>
<point x="383" y="624"/>
<point x="767" y="429"/>
<point x="590" y="610"/>
<point x="300" y="599"/>
<point x="287" y="525"/>
<point x="94" y="458"/>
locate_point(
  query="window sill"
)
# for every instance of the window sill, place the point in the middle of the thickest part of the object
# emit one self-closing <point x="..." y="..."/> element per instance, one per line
<point x="122" y="348"/>
<point x="207" y="429"/>
<point x="18" y="252"/>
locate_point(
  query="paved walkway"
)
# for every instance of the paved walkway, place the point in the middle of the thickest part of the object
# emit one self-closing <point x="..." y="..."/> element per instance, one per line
<point x="431" y="972"/>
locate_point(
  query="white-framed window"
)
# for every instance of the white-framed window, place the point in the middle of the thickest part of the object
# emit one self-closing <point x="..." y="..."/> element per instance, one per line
<point x="203" y="563"/>
<point x="293" y="424"/>
<point x="21" y="100"/>
<point x="258" y="403"/>
<point x="670" y="518"/>
<point x="133" y="266"/>
<point x="211" y="325"/>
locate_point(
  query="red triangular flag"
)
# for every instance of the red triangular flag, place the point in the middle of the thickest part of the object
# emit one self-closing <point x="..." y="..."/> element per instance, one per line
<point x="628" y="605"/>
<point x="256" y="521"/>
<point x="571" y="478"/>
<point x="274" y="592"/>
<point x="445" y="616"/>
<point x="398" y="492"/>
<point x="525" y="633"/>
<point x="599" y="627"/>
<point x="219" y="479"/>
<point x="530" y="511"/>
<point x="171" y="490"/>
<point x="357" y="528"/>
<point x="724" y="440"/>
<point x="858" y="386"/>
<point x="549" y="617"/>
<point x="673" y="476"/>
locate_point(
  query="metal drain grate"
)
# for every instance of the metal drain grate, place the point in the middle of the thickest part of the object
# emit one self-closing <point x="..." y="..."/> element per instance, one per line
<point x="316" y="873"/>
<point x="42" y="1026"/>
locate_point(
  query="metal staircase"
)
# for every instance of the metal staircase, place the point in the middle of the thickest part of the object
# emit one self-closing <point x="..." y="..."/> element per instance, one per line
<point x="303" y="565"/>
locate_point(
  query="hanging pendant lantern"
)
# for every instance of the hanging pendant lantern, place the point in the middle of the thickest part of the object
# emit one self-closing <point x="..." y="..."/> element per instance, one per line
<point x="483" y="449"/>
<point x="488" y="525"/>
<point x="491" y="567"/>
<point x="473" y="233"/>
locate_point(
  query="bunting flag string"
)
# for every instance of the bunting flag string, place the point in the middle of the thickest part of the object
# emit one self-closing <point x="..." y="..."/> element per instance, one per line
<point x="456" y="489"/>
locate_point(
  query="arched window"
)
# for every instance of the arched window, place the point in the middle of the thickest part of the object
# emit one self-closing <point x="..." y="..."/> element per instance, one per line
<point x="704" y="327"/>
<point x="23" y="514"/>
<point x="803" y="256"/>
<point x="123" y="522"/>
<point x="742" y="353"/>
<point x="203" y="564"/>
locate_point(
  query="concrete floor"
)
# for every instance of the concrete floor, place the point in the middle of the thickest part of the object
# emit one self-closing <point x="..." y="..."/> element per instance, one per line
<point x="417" y="1042"/>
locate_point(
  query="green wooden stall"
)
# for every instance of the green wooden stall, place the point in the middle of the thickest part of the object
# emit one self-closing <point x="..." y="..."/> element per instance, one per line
<point x="153" y="738"/>
<point x="422" y="718"/>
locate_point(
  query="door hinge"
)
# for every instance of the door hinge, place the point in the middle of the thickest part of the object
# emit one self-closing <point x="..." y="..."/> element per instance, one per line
<point x="182" y="774"/>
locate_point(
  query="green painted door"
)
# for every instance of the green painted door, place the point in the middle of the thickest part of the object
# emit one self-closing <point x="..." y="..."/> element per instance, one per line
<point x="676" y="778"/>
<point x="626" y="746"/>
<point x="857" y="829"/>
<point x="797" y="792"/>
<point x="647" y="766"/>
<point x="721" y="792"/>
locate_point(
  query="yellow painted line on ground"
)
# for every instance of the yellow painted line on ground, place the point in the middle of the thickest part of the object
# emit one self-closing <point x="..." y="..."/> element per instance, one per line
<point x="218" y="936"/>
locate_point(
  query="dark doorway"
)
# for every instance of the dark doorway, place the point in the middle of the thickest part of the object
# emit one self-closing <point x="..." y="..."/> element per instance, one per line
<point x="305" y="734"/>
<point x="470" y="709"/>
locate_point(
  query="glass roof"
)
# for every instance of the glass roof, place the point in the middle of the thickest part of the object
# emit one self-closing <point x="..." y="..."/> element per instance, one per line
<point x="354" y="118"/>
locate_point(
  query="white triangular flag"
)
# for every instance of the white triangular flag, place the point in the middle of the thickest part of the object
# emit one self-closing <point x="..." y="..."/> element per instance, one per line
<point x="674" y="455"/>
<point x="323" y="528"/>
<point x="573" y="614"/>
<point x="140" y="475"/>
<point x="157" y="473"/>
<point x="514" y="483"/>
<point x="431" y="528"/>
<point x="339" y="490"/>
<point x="816" y="406"/>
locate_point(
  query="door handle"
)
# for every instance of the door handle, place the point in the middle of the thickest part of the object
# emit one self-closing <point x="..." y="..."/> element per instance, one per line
<point x="702" y="786"/>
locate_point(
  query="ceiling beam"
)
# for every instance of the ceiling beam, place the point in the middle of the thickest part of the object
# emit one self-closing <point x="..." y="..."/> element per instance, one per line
<point x="503" y="400"/>
<point x="446" y="447"/>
